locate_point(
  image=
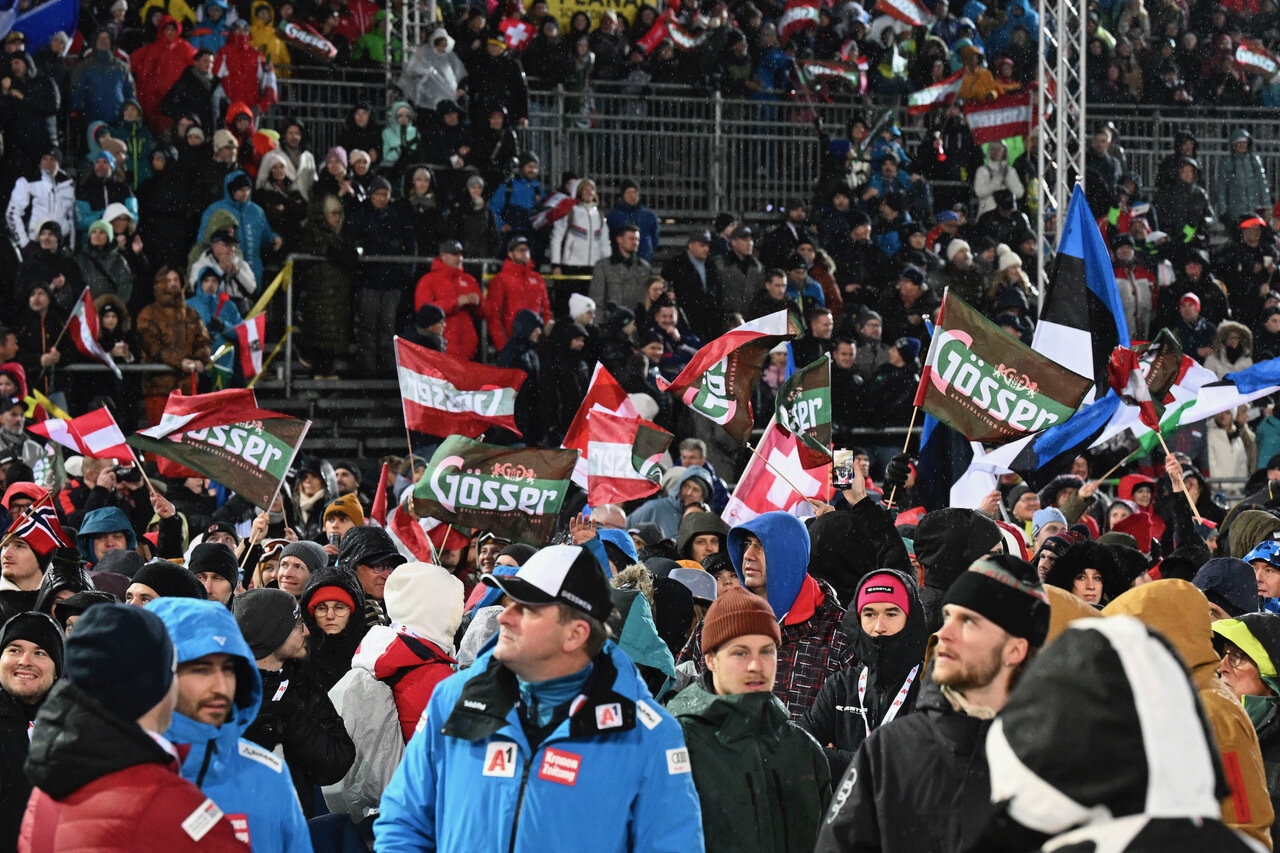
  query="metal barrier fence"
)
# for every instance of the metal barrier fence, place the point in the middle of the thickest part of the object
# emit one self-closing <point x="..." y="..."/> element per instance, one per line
<point x="700" y="153"/>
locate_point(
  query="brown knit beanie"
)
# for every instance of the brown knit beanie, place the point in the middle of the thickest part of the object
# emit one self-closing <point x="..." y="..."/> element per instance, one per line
<point x="735" y="613"/>
<point x="348" y="505"/>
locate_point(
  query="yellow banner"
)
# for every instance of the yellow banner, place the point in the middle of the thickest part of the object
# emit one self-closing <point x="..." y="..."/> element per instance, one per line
<point x="563" y="10"/>
<point x="38" y="399"/>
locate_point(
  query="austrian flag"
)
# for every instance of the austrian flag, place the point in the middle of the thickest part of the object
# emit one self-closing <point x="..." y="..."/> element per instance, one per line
<point x="83" y="327"/>
<point x="797" y="17"/>
<point x="907" y="11"/>
<point x="1013" y="114"/>
<point x="939" y="94"/>
<point x="95" y="435"/>
<point x="251" y="334"/>
<point x="443" y="395"/>
<point x="1254" y="57"/>
<point x="622" y="458"/>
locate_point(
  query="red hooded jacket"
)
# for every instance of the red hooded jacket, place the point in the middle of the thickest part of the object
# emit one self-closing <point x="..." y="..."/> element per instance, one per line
<point x="246" y="76"/>
<point x="516" y="287"/>
<point x="442" y="287"/>
<point x="156" y="67"/>
<point x="410" y="665"/>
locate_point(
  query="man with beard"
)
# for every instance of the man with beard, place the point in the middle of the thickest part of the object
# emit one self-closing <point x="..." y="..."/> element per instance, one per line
<point x="298" y="716"/>
<point x="921" y="782"/>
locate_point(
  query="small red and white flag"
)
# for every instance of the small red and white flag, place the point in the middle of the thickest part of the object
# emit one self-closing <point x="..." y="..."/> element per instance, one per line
<point x="40" y="529"/>
<point x="623" y="454"/>
<point x="518" y="32"/>
<point x="445" y="395"/>
<point x="251" y="334"/>
<point x="1013" y="114"/>
<point x="1254" y="57"/>
<point x="761" y="490"/>
<point x="83" y="326"/>
<point x="409" y="537"/>
<point x="378" y="512"/>
<point x="603" y="395"/>
<point x="939" y="94"/>
<point x="797" y="17"/>
<point x="1124" y="373"/>
<point x="95" y="435"/>
<point x="908" y="11"/>
<point x="657" y="33"/>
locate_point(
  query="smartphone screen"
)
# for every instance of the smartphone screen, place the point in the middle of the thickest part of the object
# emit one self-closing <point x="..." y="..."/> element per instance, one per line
<point x="842" y="468"/>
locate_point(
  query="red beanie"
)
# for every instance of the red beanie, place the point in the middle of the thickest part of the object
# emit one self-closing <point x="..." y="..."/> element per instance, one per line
<point x="736" y="613"/>
<point x="882" y="587"/>
<point x="330" y="593"/>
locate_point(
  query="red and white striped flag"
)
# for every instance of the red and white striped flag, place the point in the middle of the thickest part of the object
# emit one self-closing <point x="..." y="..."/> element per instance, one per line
<point x="1256" y="58"/>
<point x="95" y="435"/>
<point x="1013" y="114"/>
<point x="908" y="11"/>
<point x="411" y="540"/>
<point x="798" y="16"/>
<point x="40" y="529"/>
<point x="1126" y="377"/>
<point x="657" y="33"/>
<point x="939" y="94"/>
<point x="603" y="395"/>
<point x="83" y="326"/>
<point x="761" y="490"/>
<point x="622" y="464"/>
<point x="445" y="395"/>
<point x="252" y="335"/>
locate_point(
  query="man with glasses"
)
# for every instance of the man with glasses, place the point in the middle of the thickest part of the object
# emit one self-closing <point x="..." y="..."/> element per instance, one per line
<point x="369" y="553"/>
<point x="1250" y="647"/>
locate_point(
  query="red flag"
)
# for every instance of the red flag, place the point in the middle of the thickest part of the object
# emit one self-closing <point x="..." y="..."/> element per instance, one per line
<point x="657" y="33"/>
<point x="411" y="540"/>
<point x="518" y="32"/>
<point x="604" y="394"/>
<point x="909" y="12"/>
<point x="444" y="395"/>
<point x="251" y="334"/>
<point x="760" y="490"/>
<point x="623" y="461"/>
<point x="940" y="93"/>
<point x="1126" y="378"/>
<point x="83" y="327"/>
<point x="1013" y="114"/>
<point x="40" y="529"/>
<point x="379" y="510"/>
<point x="1255" y="58"/>
<point x="95" y="435"/>
<point x="797" y="17"/>
<point x="201" y="411"/>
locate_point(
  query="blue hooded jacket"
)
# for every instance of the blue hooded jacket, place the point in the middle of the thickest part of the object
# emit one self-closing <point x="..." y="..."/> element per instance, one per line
<point x="107" y="519"/>
<point x="255" y="231"/>
<point x="249" y="783"/>
<point x="623" y="541"/>
<point x="786" y="555"/>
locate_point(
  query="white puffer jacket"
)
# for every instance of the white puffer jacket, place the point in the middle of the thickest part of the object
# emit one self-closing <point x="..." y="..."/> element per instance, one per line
<point x="580" y="237"/>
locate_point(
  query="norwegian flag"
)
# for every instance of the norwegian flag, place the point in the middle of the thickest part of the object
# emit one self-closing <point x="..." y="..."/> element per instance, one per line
<point x="518" y="32"/>
<point x="908" y="11"/>
<point x="760" y="490"/>
<point x="1013" y="114"/>
<point x="939" y="94"/>
<point x="95" y="435"/>
<point x="605" y="395"/>
<point x="83" y="327"/>
<point x="251" y="334"/>
<point x="40" y="529"/>
<point x="797" y="17"/>
<point x="1256" y="58"/>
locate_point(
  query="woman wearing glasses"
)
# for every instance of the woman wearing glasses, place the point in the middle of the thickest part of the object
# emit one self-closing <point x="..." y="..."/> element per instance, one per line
<point x="1250" y="649"/>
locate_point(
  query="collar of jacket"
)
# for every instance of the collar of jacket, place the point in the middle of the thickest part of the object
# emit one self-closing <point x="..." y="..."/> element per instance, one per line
<point x="487" y="703"/>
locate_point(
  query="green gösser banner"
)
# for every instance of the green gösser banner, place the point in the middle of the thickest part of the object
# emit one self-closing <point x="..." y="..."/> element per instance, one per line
<point x="250" y="458"/>
<point x="513" y="493"/>
<point x="990" y="386"/>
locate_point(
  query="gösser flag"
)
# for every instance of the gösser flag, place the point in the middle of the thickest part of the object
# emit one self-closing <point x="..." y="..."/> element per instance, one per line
<point x="988" y="385"/>
<point x="623" y="458"/>
<point x="804" y="408"/>
<point x="83" y="326"/>
<point x="247" y="449"/>
<point x="443" y="395"/>
<point x="717" y="382"/>
<point x="513" y="493"/>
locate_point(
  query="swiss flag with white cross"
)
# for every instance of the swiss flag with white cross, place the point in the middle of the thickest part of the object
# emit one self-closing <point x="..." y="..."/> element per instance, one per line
<point x="760" y="490"/>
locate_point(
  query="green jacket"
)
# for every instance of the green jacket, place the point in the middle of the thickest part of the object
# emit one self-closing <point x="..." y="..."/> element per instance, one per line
<point x="763" y="781"/>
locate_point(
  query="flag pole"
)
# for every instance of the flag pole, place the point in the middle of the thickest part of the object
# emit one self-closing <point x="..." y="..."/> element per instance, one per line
<point x="1190" y="502"/>
<point x="783" y="477"/>
<point x="905" y="444"/>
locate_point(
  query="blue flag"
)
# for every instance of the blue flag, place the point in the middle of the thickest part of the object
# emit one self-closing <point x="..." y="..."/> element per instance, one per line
<point x="1264" y="374"/>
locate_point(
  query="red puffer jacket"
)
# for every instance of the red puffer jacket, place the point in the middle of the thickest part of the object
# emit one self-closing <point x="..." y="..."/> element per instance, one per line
<point x="442" y="287"/>
<point x="410" y="665"/>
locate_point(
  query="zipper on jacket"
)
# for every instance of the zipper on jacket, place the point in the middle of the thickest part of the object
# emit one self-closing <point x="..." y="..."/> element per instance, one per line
<point x="524" y="783"/>
<point x="210" y="748"/>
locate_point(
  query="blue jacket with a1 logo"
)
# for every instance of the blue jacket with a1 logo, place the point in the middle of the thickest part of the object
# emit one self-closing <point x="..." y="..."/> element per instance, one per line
<point x="613" y="776"/>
